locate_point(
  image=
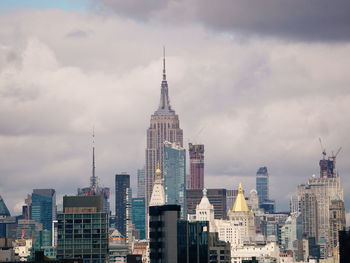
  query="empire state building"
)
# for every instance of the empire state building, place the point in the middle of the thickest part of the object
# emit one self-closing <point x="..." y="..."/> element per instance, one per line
<point x="164" y="126"/>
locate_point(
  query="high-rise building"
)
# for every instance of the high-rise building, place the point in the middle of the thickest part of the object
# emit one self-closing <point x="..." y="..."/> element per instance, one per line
<point x="138" y="215"/>
<point x="192" y="241"/>
<point x="174" y="174"/>
<point x="141" y="182"/>
<point x="163" y="233"/>
<point x="122" y="184"/>
<point x="262" y="187"/>
<point x="336" y="220"/>
<point x="196" y="153"/>
<point x="262" y="184"/>
<point x="95" y="188"/>
<point x="164" y="126"/>
<point x="83" y="229"/>
<point x="43" y="207"/>
<point x="217" y="198"/>
<point x="315" y="203"/>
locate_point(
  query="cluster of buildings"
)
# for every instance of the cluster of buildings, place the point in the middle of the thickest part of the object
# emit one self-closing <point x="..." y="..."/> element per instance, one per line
<point x="173" y="218"/>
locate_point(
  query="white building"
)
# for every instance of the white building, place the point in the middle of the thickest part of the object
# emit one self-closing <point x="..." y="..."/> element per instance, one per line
<point x="263" y="252"/>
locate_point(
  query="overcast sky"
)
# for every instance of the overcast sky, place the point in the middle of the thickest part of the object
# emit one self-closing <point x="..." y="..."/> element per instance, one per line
<point x="256" y="83"/>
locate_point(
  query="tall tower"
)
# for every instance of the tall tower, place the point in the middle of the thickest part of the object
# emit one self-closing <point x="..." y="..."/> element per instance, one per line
<point x="262" y="184"/>
<point x="196" y="152"/>
<point x="122" y="186"/>
<point x="174" y="174"/>
<point x="164" y="126"/>
<point x="95" y="188"/>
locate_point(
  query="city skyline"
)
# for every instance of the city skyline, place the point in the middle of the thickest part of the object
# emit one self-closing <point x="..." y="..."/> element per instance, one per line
<point x="238" y="85"/>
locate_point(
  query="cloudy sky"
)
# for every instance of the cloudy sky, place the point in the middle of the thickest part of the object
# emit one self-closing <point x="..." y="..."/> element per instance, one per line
<point x="257" y="82"/>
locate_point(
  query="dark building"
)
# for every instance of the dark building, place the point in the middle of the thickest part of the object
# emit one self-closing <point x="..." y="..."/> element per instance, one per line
<point x="134" y="259"/>
<point x="122" y="184"/>
<point x="196" y="152"/>
<point x="344" y="246"/>
<point x="176" y="241"/>
<point x="192" y="241"/>
<point x="219" y="251"/>
<point x="83" y="229"/>
<point x="163" y="233"/>
<point x="139" y="215"/>
<point x="217" y="198"/>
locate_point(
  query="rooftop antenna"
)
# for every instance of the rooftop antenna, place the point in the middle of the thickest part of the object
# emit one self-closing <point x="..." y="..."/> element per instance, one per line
<point x="93" y="180"/>
<point x="164" y="73"/>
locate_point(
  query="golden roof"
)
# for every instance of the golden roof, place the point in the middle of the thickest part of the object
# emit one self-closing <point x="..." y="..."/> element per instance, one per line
<point x="240" y="204"/>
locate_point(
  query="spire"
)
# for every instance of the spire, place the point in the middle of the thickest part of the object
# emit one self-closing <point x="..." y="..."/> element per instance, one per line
<point x="240" y="204"/>
<point x="158" y="193"/>
<point x="164" y="74"/>
<point x="164" y="103"/>
<point x="93" y="179"/>
<point x="204" y="203"/>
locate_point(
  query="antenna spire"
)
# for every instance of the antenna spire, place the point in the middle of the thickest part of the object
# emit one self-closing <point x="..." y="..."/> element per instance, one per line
<point x="164" y="73"/>
<point x="93" y="180"/>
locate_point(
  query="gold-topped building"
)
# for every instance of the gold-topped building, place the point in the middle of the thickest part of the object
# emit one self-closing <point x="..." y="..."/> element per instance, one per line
<point x="240" y="204"/>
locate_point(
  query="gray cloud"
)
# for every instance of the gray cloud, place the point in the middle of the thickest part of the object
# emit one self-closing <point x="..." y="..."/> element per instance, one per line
<point x="299" y="19"/>
<point x="258" y="102"/>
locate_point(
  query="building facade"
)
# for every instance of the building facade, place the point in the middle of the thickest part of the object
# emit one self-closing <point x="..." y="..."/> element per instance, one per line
<point x="164" y="126"/>
<point x="139" y="215"/>
<point x="192" y="241"/>
<point x="43" y="207"/>
<point x="122" y="184"/>
<point x="141" y="183"/>
<point x="262" y="184"/>
<point x="196" y="153"/>
<point x="163" y="233"/>
<point x="315" y="205"/>
<point x="174" y="174"/>
<point x="83" y="229"/>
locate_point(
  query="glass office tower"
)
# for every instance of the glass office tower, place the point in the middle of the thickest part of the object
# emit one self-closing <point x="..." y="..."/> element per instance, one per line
<point x="174" y="173"/>
<point x="139" y="215"/>
<point x="43" y="207"/>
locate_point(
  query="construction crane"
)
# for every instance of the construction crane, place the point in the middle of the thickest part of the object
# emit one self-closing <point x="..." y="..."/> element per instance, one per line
<point x="323" y="149"/>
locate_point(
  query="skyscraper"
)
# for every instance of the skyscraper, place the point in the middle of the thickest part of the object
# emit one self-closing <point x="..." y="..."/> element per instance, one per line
<point x="141" y="182"/>
<point x="174" y="174"/>
<point x="262" y="187"/>
<point x="262" y="184"/>
<point x="320" y="200"/>
<point x="43" y="208"/>
<point x="196" y="152"/>
<point x="164" y="126"/>
<point x="122" y="184"/>
<point x="83" y="229"/>
<point x="138" y="215"/>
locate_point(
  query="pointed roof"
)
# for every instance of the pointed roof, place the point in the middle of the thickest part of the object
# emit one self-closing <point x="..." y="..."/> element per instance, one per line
<point x="3" y="208"/>
<point x="158" y="194"/>
<point x="164" y="103"/>
<point x="205" y="203"/>
<point x="240" y="204"/>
